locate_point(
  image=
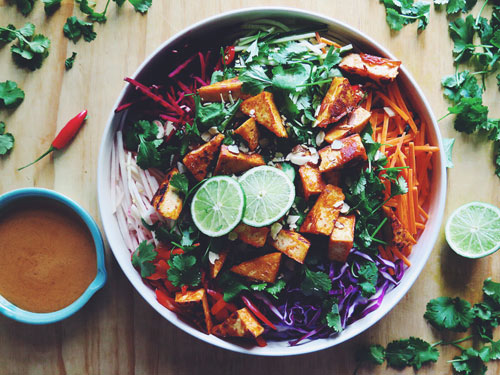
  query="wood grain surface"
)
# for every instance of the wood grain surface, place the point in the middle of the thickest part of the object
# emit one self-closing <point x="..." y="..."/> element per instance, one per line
<point x="117" y="332"/>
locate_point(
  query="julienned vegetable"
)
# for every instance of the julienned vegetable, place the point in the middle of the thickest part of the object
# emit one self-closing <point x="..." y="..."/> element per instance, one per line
<point x="338" y="125"/>
<point x="66" y="134"/>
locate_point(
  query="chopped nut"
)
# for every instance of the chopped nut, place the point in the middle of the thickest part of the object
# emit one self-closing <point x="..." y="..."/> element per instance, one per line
<point x="233" y="149"/>
<point x="336" y="145"/>
<point x="212" y="257"/>
<point x="275" y="229"/>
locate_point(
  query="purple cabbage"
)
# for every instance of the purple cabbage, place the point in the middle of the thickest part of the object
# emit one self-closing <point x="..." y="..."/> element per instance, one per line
<point x="299" y="317"/>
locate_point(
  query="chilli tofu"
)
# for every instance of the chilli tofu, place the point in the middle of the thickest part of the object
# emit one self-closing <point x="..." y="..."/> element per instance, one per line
<point x="261" y="191"/>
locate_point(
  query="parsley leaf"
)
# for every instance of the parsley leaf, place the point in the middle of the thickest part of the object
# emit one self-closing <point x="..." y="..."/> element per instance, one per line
<point x="75" y="28"/>
<point x="469" y="363"/>
<point x="448" y="148"/>
<point x="143" y="257"/>
<point x="410" y="352"/>
<point x="50" y="6"/>
<point x="6" y="140"/>
<point x="315" y="283"/>
<point x="454" y="314"/>
<point x="180" y="182"/>
<point x="184" y="270"/>
<point x="10" y="95"/>
<point x="367" y="278"/>
<point x="68" y="63"/>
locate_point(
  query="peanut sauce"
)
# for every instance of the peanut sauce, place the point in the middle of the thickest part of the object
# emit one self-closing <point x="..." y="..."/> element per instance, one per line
<point x="47" y="255"/>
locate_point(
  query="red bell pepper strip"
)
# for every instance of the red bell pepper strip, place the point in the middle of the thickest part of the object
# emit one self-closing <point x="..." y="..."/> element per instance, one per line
<point x="160" y="272"/>
<point x="257" y="312"/>
<point x="166" y="301"/>
<point x="64" y="136"/>
<point x="260" y="341"/>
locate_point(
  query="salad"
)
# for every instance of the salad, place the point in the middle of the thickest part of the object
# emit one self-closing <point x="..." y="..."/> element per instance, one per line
<point x="272" y="188"/>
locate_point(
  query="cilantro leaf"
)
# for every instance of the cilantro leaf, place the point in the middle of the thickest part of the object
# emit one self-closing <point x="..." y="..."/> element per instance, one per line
<point x="254" y="80"/>
<point x="148" y="154"/>
<point x="6" y="140"/>
<point x="332" y="58"/>
<point x="91" y="13"/>
<point x="492" y="290"/>
<point x="184" y="270"/>
<point x="454" y="314"/>
<point x="367" y="278"/>
<point x="289" y="79"/>
<point x="332" y="317"/>
<point x="276" y="288"/>
<point x="75" y="28"/>
<point x="119" y="2"/>
<point x="469" y="363"/>
<point x="410" y="352"/>
<point x="10" y="95"/>
<point x="180" y="182"/>
<point x="141" y="6"/>
<point x="461" y="85"/>
<point x="68" y="63"/>
<point x="287" y="52"/>
<point x="375" y="354"/>
<point x="213" y="114"/>
<point x="462" y="34"/>
<point x="448" y="148"/>
<point x="399" y="187"/>
<point x="317" y="283"/>
<point x="471" y="114"/>
<point x="50" y="6"/>
<point x="143" y="257"/>
<point x="455" y="6"/>
<point x="23" y="6"/>
<point x="258" y="287"/>
<point x="231" y="285"/>
<point x="401" y="13"/>
<point x="490" y="352"/>
<point x="7" y="34"/>
<point x="131" y="137"/>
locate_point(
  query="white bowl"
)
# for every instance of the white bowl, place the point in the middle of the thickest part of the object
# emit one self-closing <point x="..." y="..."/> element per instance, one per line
<point x="342" y="32"/>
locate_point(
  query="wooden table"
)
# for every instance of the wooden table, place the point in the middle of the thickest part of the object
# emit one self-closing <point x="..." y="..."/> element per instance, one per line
<point x="117" y="332"/>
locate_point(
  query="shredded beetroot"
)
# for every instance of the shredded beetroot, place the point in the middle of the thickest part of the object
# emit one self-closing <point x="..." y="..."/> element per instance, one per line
<point x="157" y="98"/>
<point x="203" y="66"/>
<point x="181" y="67"/>
<point x="200" y="81"/>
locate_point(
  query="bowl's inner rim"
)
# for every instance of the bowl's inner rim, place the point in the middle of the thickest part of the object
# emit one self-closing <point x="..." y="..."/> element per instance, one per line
<point x="436" y="204"/>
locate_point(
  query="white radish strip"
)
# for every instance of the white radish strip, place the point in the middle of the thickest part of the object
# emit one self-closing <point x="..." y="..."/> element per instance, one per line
<point x="147" y="188"/>
<point x="293" y="37"/>
<point x="312" y="48"/>
<point x="152" y="181"/>
<point x="112" y="178"/>
<point x="123" y="172"/>
<point x="122" y="225"/>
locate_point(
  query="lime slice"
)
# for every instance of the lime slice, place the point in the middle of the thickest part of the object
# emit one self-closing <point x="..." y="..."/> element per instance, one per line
<point x="473" y="230"/>
<point x="218" y="206"/>
<point x="270" y="194"/>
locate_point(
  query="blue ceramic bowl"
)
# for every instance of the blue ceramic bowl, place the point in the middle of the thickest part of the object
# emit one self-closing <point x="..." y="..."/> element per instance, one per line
<point x="12" y="311"/>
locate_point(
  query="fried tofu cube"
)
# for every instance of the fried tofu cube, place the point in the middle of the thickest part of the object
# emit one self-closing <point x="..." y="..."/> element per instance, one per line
<point x="401" y="237"/>
<point x="167" y="200"/>
<point x="377" y="68"/>
<point x="292" y="244"/>
<point x="264" y="268"/>
<point x="220" y="91"/>
<point x="262" y="108"/>
<point x="241" y="323"/>
<point x="216" y="266"/>
<point x="342" y="238"/>
<point x="341" y="99"/>
<point x="322" y="217"/>
<point x="312" y="181"/>
<point x="195" y="301"/>
<point x="249" y="132"/>
<point x="253" y="236"/>
<point x="230" y="163"/>
<point x="198" y="160"/>
<point x="337" y="155"/>
<point x="354" y="124"/>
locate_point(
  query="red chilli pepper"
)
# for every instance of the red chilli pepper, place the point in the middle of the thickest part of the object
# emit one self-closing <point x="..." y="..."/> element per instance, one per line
<point x="64" y="136"/>
<point x="229" y="55"/>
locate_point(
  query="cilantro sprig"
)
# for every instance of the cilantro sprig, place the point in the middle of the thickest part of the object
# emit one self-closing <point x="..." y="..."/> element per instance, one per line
<point x="6" y="140"/>
<point x="31" y="50"/>
<point x="10" y="95"/>
<point x="454" y="314"/>
<point x="143" y="258"/>
<point x="400" y="13"/>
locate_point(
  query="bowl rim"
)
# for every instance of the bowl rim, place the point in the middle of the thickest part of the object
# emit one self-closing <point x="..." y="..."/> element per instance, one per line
<point x="439" y="178"/>
<point x="10" y="310"/>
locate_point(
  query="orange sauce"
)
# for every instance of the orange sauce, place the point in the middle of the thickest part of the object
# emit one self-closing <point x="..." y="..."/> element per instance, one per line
<point x="47" y="255"/>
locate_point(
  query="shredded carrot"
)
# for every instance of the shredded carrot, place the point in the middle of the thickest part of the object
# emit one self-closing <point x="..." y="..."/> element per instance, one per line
<point x="411" y="205"/>
<point x="368" y="104"/>
<point x="400" y="256"/>
<point x="393" y="105"/>
<point x="318" y="39"/>
<point x="384" y="132"/>
<point x="394" y="88"/>
<point x="426" y="148"/>
<point x="330" y="42"/>
<point x="420" y="226"/>
<point x="395" y="141"/>
<point x="398" y="147"/>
